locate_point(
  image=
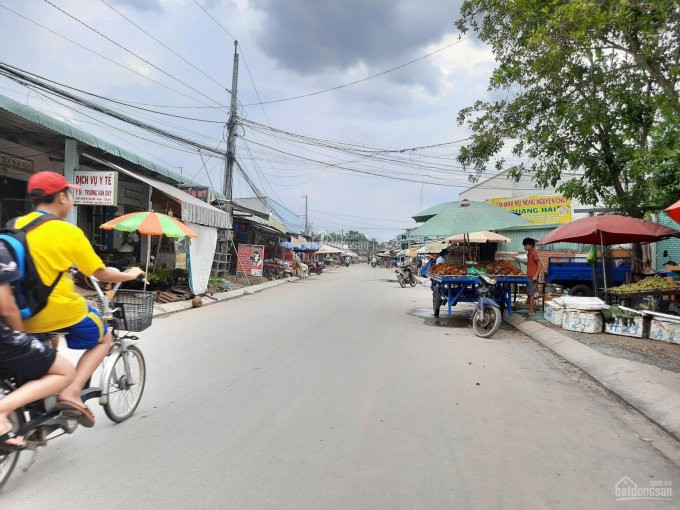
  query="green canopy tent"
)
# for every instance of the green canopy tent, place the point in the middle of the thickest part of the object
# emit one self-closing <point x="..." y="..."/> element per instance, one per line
<point x="463" y="217"/>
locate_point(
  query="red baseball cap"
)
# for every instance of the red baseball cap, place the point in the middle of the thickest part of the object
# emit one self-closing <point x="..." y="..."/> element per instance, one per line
<point x="45" y="183"/>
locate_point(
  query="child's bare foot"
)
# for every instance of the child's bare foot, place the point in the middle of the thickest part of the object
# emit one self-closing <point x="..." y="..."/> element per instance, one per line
<point x="6" y="428"/>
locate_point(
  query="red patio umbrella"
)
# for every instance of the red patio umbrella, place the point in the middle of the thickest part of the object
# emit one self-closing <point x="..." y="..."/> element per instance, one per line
<point x="674" y="211"/>
<point x="607" y="230"/>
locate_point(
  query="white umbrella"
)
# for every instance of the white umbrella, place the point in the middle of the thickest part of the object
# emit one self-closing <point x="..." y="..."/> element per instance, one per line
<point x="479" y="237"/>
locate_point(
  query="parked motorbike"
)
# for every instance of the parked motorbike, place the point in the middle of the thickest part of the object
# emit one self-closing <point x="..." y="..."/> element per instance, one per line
<point x="315" y="268"/>
<point x="406" y="277"/>
<point x="373" y="264"/>
<point x="487" y="316"/>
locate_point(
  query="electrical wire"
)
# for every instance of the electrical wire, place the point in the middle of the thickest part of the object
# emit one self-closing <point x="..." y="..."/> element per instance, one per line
<point x="127" y="50"/>
<point x="215" y="20"/>
<point x="102" y="56"/>
<point x="376" y="75"/>
<point x="214" y="80"/>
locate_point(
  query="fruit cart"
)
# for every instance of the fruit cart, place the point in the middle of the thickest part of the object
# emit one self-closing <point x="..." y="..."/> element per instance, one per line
<point x="451" y="289"/>
<point x="656" y="290"/>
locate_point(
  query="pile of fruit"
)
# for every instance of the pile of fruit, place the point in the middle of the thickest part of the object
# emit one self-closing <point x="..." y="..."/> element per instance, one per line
<point x="448" y="270"/>
<point x="647" y="286"/>
<point x="502" y="268"/>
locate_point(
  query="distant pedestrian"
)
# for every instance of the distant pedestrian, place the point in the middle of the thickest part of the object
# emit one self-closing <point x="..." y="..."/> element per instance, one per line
<point x="534" y="266"/>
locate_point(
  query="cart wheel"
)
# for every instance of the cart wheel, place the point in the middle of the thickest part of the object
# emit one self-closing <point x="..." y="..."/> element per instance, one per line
<point x="436" y="301"/>
<point x="581" y="290"/>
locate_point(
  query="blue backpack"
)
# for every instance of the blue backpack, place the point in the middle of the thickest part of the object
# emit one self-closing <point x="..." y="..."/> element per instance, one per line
<point x="30" y="293"/>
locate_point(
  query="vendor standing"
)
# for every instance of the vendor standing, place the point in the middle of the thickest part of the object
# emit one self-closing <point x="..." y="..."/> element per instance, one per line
<point x="534" y="266"/>
<point x="442" y="257"/>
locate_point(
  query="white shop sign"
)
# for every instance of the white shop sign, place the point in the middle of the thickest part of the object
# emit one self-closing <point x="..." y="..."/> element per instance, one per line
<point x="96" y="188"/>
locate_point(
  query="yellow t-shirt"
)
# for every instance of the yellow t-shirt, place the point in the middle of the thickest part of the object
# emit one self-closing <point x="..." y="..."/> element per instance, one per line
<point x="55" y="246"/>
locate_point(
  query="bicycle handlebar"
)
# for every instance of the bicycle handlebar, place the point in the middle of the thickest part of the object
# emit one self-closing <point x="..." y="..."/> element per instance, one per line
<point x="104" y="297"/>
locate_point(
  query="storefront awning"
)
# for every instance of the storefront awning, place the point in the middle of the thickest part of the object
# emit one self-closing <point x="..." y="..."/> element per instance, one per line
<point x="193" y="209"/>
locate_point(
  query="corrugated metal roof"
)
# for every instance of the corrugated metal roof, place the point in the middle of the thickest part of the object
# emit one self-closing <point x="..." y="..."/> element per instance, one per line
<point x="35" y="117"/>
<point x="517" y="235"/>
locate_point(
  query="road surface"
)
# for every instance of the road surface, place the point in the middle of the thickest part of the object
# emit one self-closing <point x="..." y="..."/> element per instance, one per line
<point x="342" y="392"/>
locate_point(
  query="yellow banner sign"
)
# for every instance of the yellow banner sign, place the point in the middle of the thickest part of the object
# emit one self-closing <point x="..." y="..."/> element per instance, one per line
<point x="539" y="209"/>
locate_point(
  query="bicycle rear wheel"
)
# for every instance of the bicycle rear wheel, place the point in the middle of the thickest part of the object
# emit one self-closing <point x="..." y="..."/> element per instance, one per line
<point x="7" y="462"/>
<point x="125" y="388"/>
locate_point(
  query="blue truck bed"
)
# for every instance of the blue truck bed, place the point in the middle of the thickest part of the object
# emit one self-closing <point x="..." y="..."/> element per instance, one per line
<point x="570" y="272"/>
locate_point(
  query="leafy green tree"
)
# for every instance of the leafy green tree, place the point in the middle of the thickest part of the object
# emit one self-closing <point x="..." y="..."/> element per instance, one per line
<point x="582" y="86"/>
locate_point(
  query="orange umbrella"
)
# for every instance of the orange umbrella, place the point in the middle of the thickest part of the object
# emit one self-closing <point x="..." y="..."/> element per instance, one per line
<point x="149" y="223"/>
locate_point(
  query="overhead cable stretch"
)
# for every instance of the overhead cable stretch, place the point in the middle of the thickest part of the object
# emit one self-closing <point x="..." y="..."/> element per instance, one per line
<point x="443" y="179"/>
<point x="104" y="57"/>
<point x="215" y="20"/>
<point x="104" y="98"/>
<point x="337" y="87"/>
<point x="122" y="15"/>
<point x="127" y="50"/>
<point x="361" y="80"/>
<point x="37" y="84"/>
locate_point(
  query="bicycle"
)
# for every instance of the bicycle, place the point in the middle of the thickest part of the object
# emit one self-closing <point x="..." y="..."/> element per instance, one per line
<point x="122" y="378"/>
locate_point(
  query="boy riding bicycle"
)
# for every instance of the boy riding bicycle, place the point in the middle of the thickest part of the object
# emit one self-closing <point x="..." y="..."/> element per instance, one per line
<point x="55" y="246"/>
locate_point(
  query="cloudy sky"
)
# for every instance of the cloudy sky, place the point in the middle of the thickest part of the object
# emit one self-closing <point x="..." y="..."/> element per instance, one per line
<point x="288" y="48"/>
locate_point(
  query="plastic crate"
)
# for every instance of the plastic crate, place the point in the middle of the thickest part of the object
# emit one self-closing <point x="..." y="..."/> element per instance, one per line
<point x="135" y="309"/>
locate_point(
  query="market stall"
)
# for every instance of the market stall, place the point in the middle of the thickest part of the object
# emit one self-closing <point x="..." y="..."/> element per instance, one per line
<point x="635" y="309"/>
<point x="455" y="283"/>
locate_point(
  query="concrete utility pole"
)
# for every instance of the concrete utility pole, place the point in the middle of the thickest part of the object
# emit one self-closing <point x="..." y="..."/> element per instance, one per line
<point x="306" y="216"/>
<point x="231" y="126"/>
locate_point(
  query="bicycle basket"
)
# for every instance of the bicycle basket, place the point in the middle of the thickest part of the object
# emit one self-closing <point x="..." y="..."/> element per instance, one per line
<point x="135" y="309"/>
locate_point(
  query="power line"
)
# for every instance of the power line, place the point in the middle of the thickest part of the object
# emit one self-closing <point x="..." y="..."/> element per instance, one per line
<point x="352" y="216"/>
<point x="214" y="80"/>
<point x="257" y="93"/>
<point x="103" y="56"/>
<point x="130" y="51"/>
<point x="338" y="87"/>
<point x="351" y="169"/>
<point x="215" y="20"/>
<point x="395" y="68"/>
<point x="251" y="80"/>
<point x="123" y="103"/>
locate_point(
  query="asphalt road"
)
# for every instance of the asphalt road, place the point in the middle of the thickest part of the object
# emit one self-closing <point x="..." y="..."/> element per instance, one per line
<point x="341" y="392"/>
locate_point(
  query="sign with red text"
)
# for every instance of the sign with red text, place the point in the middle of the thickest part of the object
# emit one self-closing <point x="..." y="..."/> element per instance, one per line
<point x="539" y="209"/>
<point x="96" y="188"/>
<point x="203" y="193"/>
<point x="250" y="259"/>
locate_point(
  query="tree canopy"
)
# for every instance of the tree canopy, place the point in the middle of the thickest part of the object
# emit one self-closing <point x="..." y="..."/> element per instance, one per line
<point x="585" y="87"/>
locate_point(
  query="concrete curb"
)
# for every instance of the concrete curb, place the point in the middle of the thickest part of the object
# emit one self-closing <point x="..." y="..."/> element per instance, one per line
<point x="179" y="306"/>
<point x="652" y="391"/>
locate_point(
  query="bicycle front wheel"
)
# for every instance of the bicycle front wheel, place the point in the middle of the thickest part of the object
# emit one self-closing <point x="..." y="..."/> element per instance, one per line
<point x="8" y="461"/>
<point x="125" y="385"/>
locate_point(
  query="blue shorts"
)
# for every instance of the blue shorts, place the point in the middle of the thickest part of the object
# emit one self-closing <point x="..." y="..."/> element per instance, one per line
<point x="88" y="332"/>
<point x="531" y="287"/>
